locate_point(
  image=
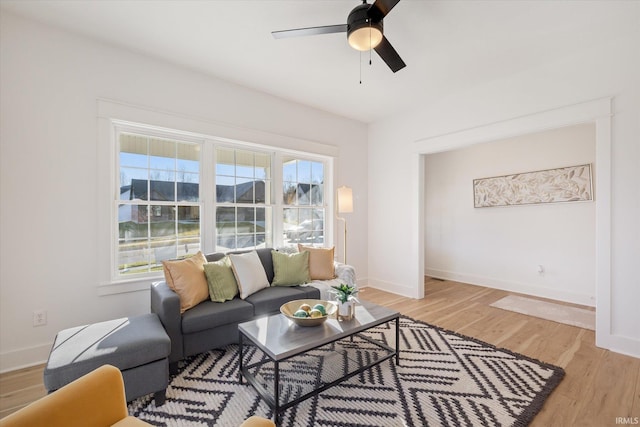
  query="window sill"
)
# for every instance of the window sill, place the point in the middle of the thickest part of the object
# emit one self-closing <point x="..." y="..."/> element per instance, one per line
<point x="127" y="285"/>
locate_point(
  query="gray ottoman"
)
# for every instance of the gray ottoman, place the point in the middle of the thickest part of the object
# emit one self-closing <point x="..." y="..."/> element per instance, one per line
<point x="138" y="346"/>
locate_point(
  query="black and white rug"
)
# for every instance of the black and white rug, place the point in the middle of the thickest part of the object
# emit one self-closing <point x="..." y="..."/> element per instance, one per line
<point x="444" y="379"/>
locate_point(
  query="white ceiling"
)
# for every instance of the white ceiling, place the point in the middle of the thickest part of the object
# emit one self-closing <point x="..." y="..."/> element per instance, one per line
<point x="447" y="45"/>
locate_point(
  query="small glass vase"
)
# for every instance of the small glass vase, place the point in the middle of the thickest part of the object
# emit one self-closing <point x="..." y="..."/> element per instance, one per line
<point x="346" y="310"/>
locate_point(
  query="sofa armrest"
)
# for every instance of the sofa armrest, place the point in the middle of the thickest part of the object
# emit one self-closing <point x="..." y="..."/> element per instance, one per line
<point x="166" y="304"/>
<point x="345" y="273"/>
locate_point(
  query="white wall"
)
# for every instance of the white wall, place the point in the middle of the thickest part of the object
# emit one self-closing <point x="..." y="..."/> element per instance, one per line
<point x="502" y="247"/>
<point x="608" y="68"/>
<point x="50" y="81"/>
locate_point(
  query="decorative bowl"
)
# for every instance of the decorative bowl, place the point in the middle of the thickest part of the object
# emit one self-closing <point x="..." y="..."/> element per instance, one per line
<point x="292" y="306"/>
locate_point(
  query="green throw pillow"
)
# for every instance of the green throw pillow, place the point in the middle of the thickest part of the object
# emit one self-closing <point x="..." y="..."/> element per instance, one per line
<point x="290" y="269"/>
<point x="222" y="283"/>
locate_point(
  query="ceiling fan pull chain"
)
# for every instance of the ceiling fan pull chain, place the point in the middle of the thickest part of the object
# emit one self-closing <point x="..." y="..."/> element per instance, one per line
<point x="360" y="67"/>
<point x="370" y="49"/>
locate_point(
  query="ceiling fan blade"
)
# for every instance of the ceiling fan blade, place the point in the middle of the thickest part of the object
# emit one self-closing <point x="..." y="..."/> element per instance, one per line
<point x="380" y="8"/>
<point x="311" y="31"/>
<point x="389" y="55"/>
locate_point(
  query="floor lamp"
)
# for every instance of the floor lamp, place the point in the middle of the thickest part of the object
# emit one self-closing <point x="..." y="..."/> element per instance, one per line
<point x="345" y="205"/>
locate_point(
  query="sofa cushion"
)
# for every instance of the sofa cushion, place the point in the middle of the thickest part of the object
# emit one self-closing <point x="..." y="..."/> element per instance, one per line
<point x="249" y="273"/>
<point x="209" y="314"/>
<point x="222" y="283"/>
<point x="321" y="265"/>
<point x="186" y="278"/>
<point x="310" y="292"/>
<point x="290" y="269"/>
<point x="269" y="300"/>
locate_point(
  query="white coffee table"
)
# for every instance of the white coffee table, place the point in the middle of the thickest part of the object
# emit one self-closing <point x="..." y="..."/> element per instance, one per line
<point x="280" y="340"/>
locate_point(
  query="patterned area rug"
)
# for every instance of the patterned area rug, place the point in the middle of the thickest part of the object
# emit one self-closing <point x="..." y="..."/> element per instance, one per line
<point x="444" y="379"/>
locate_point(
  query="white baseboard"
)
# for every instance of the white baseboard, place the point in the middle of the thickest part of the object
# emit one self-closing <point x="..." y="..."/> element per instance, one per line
<point x="394" y="288"/>
<point x="24" y="358"/>
<point x="522" y="288"/>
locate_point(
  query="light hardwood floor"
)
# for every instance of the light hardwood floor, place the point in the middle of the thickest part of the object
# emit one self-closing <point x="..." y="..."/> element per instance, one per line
<point x="599" y="387"/>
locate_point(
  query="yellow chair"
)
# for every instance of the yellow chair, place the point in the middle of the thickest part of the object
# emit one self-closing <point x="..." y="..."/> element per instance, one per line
<point x="96" y="399"/>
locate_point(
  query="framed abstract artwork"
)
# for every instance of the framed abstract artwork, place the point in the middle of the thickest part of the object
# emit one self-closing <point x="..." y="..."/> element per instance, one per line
<point x="568" y="184"/>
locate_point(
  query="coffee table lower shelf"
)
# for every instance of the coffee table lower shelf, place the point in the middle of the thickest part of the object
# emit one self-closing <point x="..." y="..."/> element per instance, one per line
<point x="285" y="382"/>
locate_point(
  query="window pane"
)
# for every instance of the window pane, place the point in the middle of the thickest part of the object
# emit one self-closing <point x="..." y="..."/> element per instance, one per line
<point x="188" y="158"/>
<point x="317" y="173"/>
<point x="225" y="189"/>
<point x="304" y="171"/>
<point x="260" y="192"/>
<point x="162" y="175"/>
<point x="161" y="170"/>
<point x="244" y="164"/>
<point x="289" y="172"/>
<point x="226" y="243"/>
<point x="226" y="220"/>
<point x="188" y="230"/>
<point x="163" y="190"/>
<point x="132" y="238"/>
<point x="297" y="224"/>
<point x="317" y="195"/>
<point x="303" y="219"/>
<point x="262" y="166"/>
<point x="245" y="220"/>
<point x="246" y="241"/>
<point x="162" y="225"/>
<point x="162" y="154"/>
<point x="289" y="193"/>
<point x="244" y="190"/>
<point x="304" y="194"/>
<point x="130" y="190"/>
<point x="189" y="191"/>
<point x="134" y="151"/>
<point x="134" y="160"/>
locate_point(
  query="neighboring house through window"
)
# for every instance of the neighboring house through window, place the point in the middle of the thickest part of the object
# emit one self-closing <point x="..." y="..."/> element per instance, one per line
<point x="167" y="198"/>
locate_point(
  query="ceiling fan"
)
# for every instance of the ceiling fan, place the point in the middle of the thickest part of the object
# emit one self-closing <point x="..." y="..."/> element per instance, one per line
<point x="364" y="30"/>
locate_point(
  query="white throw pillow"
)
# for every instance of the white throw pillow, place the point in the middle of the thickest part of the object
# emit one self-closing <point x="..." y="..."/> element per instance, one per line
<point x="249" y="273"/>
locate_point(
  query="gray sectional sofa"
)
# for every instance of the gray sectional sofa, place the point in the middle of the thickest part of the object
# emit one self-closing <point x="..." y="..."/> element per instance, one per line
<point x="211" y="325"/>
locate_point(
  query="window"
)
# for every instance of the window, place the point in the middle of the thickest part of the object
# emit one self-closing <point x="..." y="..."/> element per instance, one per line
<point x="243" y="197"/>
<point x="303" y="201"/>
<point x="159" y="202"/>
<point x="177" y="193"/>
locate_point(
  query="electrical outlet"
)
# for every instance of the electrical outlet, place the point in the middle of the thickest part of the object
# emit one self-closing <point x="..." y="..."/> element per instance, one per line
<point x="39" y="318"/>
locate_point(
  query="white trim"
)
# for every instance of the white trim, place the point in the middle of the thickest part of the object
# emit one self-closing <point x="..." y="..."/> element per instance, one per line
<point x="598" y="111"/>
<point x="524" y="288"/>
<point x="201" y="127"/>
<point x="550" y="119"/>
<point x="24" y="357"/>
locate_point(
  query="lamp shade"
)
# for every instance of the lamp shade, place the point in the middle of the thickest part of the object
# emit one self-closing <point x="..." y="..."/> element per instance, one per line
<point x="365" y="38"/>
<point x="345" y="200"/>
<point x="362" y="33"/>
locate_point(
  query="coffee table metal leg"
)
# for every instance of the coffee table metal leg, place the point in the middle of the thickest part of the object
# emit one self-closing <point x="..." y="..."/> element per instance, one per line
<point x="397" y="341"/>
<point x="276" y="391"/>
<point x="240" y="345"/>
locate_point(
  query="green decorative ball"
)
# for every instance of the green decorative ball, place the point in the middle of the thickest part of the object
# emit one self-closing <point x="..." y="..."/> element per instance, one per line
<point x="320" y="308"/>
<point x="300" y="313"/>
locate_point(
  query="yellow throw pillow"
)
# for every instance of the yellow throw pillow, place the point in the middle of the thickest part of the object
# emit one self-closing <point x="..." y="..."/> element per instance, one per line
<point x="186" y="278"/>
<point x="320" y="262"/>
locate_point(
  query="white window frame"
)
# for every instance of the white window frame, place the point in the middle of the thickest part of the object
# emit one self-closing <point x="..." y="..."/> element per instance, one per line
<point x="111" y="282"/>
<point x="120" y="129"/>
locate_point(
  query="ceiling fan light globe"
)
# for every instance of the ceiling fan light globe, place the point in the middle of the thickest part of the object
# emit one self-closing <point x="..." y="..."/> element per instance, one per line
<point x="365" y="38"/>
